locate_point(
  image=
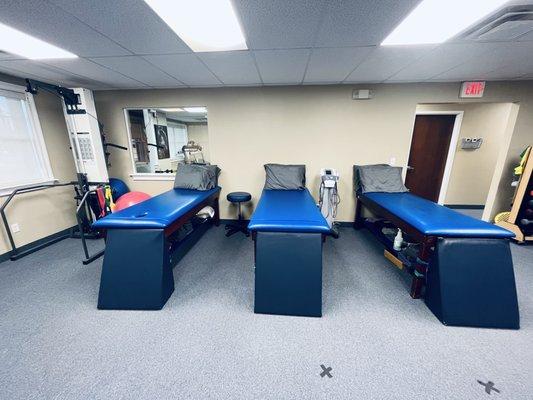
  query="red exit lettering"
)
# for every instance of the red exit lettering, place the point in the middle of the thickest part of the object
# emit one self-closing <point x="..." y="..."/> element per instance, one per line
<point x="472" y="89"/>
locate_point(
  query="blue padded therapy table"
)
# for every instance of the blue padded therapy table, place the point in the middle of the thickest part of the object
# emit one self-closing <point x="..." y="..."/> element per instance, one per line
<point x="464" y="265"/>
<point x="144" y="242"/>
<point x="288" y="232"/>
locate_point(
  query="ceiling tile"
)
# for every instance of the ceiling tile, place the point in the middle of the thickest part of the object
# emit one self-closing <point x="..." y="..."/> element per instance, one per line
<point x="467" y="71"/>
<point x="328" y="65"/>
<point x="291" y="42"/>
<point x="282" y="66"/>
<point x="439" y="60"/>
<point x="4" y="69"/>
<point x="91" y="70"/>
<point x="384" y="62"/>
<point x="279" y="24"/>
<point x="512" y="57"/>
<point x="232" y="67"/>
<point x="526" y="77"/>
<point x="115" y="19"/>
<point x="361" y="22"/>
<point x="508" y="70"/>
<point x="139" y="69"/>
<point x="25" y="68"/>
<point x="527" y="37"/>
<point x="185" y="67"/>
<point x="50" y="23"/>
<point x="8" y="56"/>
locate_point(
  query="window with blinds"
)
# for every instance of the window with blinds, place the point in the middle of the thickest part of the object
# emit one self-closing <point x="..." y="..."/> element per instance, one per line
<point x="23" y="157"/>
<point x="177" y="137"/>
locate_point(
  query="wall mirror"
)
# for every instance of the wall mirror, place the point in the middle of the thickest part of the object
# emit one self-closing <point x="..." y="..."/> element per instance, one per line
<point x="162" y="138"/>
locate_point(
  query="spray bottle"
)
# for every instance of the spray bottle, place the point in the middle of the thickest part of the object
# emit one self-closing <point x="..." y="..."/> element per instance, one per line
<point x="398" y="241"/>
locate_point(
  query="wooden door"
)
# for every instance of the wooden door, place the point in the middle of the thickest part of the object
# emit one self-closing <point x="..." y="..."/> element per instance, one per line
<point x="429" y="150"/>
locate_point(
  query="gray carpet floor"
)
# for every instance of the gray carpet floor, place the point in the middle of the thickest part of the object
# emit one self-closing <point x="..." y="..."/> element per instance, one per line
<point x="208" y="344"/>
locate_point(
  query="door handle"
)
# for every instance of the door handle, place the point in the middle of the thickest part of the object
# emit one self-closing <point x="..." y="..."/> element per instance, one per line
<point x="409" y="168"/>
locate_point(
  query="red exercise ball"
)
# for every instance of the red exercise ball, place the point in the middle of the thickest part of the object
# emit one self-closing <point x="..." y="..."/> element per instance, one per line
<point x="130" y="199"/>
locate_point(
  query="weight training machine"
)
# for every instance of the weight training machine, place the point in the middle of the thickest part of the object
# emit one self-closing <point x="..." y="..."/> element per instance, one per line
<point x="91" y="158"/>
<point x="520" y="219"/>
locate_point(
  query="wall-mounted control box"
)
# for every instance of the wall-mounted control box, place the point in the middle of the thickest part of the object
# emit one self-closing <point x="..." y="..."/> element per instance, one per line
<point x="361" y="94"/>
<point x="471" y="143"/>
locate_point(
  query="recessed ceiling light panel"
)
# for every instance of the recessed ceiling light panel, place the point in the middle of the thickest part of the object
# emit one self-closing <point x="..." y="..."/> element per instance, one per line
<point x="205" y="25"/>
<point x="19" y="43"/>
<point x="435" y="21"/>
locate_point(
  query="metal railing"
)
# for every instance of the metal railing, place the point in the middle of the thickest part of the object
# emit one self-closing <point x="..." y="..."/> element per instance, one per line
<point x="16" y="253"/>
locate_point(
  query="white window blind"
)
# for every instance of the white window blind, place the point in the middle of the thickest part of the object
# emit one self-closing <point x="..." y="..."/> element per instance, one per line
<point x="23" y="157"/>
<point x="177" y="138"/>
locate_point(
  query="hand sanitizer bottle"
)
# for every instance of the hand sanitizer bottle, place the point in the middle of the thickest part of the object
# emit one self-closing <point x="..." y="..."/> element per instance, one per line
<point x="398" y="240"/>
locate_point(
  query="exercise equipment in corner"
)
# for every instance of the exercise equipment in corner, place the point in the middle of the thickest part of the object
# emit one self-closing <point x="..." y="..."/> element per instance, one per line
<point x="520" y="219"/>
<point x="94" y="191"/>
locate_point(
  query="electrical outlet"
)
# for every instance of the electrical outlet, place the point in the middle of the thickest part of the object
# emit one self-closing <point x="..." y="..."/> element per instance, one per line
<point x="15" y="228"/>
<point x="392" y="161"/>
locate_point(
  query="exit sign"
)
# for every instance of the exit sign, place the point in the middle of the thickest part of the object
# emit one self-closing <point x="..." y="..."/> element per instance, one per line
<point x="472" y="89"/>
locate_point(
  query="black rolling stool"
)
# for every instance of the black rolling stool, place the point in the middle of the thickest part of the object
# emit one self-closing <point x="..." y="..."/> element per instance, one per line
<point x="239" y="225"/>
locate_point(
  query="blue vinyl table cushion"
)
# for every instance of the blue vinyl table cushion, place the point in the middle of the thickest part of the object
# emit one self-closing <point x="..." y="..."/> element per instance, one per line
<point x="288" y="211"/>
<point x="433" y="219"/>
<point x="159" y="212"/>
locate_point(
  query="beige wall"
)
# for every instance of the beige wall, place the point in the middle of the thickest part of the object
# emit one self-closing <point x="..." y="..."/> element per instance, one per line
<point x="522" y="137"/>
<point x="316" y="125"/>
<point x="46" y="212"/>
<point x="472" y="170"/>
<point x="319" y="126"/>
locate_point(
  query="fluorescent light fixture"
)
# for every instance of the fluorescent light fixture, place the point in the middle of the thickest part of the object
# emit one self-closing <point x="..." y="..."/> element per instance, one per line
<point x="435" y="21"/>
<point x="24" y="45"/>
<point x="205" y="25"/>
<point x="172" y="109"/>
<point x="195" y="109"/>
